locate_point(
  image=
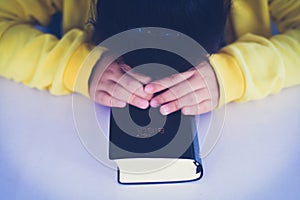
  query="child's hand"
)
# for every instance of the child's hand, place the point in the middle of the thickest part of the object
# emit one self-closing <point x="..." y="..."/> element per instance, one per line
<point x="118" y="86"/>
<point x="194" y="91"/>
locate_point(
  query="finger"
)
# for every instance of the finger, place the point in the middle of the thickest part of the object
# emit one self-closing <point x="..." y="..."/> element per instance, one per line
<point x="169" y="108"/>
<point x="105" y="99"/>
<point x="133" y="86"/>
<point x="190" y="99"/>
<point x="116" y="75"/>
<point x="181" y="89"/>
<point x="167" y="82"/>
<point x="140" y="77"/>
<point x="112" y="73"/>
<point x="203" y="107"/>
<point x="194" y="98"/>
<point x="163" y="98"/>
<point x="118" y="92"/>
<point x="138" y="102"/>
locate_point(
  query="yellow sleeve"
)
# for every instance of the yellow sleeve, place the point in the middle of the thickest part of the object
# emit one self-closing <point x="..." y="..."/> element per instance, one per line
<point x="255" y="66"/>
<point x="42" y="60"/>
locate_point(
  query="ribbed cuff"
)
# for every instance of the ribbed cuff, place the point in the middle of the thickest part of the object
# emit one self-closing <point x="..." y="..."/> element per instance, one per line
<point x="230" y="77"/>
<point x="79" y="68"/>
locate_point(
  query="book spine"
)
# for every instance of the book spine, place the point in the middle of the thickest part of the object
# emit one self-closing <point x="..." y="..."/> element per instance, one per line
<point x="196" y="148"/>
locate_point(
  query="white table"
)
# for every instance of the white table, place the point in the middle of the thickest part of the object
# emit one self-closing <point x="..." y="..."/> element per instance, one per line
<point x="42" y="157"/>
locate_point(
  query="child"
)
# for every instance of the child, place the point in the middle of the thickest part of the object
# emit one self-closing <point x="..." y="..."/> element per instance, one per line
<point x="191" y="17"/>
<point x="253" y="64"/>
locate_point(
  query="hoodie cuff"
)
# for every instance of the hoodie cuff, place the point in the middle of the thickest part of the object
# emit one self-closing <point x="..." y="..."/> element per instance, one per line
<point x="80" y="66"/>
<point x="230" y="77"/>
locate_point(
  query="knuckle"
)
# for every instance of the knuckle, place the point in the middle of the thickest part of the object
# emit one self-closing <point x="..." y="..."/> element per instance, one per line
<point x="109" y="76"/>
<point x="162" y="98"/>
<point x="133" y="85"/>
<point x="115" y="90"/>
<point x="192" y="99"/>
<point x="128" y="83"/>
<point x="114" y="65"/>
<point x="199" y="96"/>
<point x="189" y="99"/>
<point x="102" y="85"/>
<point x="140" y="92"/>
<point x="102" y="98"/>
<point x="174" y="91"/>
<point x="206" y="106"/>
<point x="209" y="93"/>
<point x="108" y="72"/>
<point x="108" y="87"/>
<point x="176" y="105"/>
<point x="134" y="100"/>
<point x="167" y="96"/>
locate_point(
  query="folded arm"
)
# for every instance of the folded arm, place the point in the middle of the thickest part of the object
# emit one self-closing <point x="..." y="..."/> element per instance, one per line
<point x="255" y="66"/>
<point x="38" y="59"/>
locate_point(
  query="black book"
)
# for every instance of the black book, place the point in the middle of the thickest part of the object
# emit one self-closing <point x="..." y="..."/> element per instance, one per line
<point x="147" y="146"/>
<point x="148" y="152"/>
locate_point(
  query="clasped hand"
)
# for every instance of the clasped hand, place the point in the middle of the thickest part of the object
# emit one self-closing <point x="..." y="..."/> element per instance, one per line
<point x="193" y="92"/>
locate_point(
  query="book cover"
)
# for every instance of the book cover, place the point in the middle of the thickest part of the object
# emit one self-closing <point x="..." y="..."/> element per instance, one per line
<point x="151" y="148"/>
<point x="148" y="146"/>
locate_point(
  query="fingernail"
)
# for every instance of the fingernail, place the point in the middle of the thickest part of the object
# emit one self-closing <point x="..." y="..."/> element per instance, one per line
<point x="143" y="104"/>
<point x="164" y="110"/>
<point x="149" y="89"/>
<point x="154" y="103"/>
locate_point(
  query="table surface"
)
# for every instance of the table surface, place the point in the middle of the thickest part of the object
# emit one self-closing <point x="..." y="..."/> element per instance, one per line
<point x="42" y="156"/>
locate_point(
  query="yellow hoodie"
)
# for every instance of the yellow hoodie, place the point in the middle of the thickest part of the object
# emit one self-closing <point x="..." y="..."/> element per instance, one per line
<point x="253" y="65"/>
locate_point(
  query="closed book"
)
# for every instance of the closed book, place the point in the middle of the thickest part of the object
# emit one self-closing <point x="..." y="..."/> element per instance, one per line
<point x="147" y="146"/>
<point x="151" y="148"/>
